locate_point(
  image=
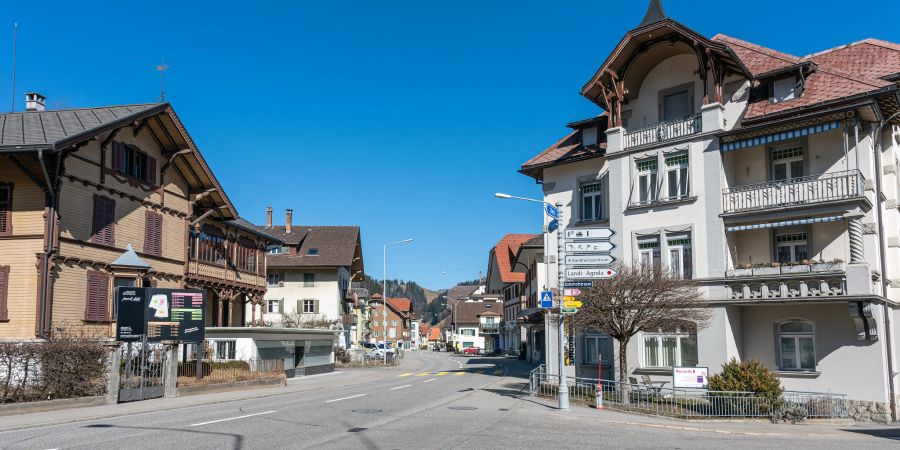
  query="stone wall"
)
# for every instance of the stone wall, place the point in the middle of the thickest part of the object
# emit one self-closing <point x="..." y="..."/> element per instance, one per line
<point x="868" y="411"/>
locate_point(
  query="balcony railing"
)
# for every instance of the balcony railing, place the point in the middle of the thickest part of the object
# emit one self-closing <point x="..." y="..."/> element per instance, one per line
<point x="807" y="190"/>
<point x="348" y="319"/>
<point x="787" y="286"/>
<point x="490" y="328"/>
<point x="663" y="131"/>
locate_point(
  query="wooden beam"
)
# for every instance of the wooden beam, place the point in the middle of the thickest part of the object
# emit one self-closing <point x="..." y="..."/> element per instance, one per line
<point x="140" y="126"/>
<point x="36" y="179"/>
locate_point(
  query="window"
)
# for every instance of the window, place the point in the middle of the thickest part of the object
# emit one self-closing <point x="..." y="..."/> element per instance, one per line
<point x="467" y="332"/>
<point x="677" y="175"/>
<point x="595" y="346"/>
<point x="468" y="344"/>
<point x="592" y="201"/>
<point x="128" y="160"/>
<point x="787" y="163"/>
<point x="393" y="323"/>
<point x="6" y="209"/>
<point x="375" y="333"/>
<point x="273" y="306"/>
<point x="211" y="247"/>
<point x="245" y="259"/>
<point x="676" y="105"/>
<point x="4" y="292"/>
<point x="275" y="250"/>
<point x="96" y="308"/>
<point x="225" y="350"/>
<point x="153" y="234"/>
<point x="310" y="306"/>
<point x="313" y="252"/>
<point x="784" y="89"/>
<point x="796" y="345"/>
<point x="680" y="256"/>
<point x="791" y="248"/>
<point x="274" y="279"/>
<point x="392" y="333"/>
<point x="104" y="226"/>
<point x="647" y="189"/>
<point x="126" y="282"/>
<point x="648" y="248"/>
<point x="676" y="348"/>
<point x="309" y="280"/>
<point x="376" y="323"/>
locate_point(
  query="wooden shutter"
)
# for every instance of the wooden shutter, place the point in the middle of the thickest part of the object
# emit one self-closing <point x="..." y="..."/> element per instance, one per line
<point x="97" y="298"/>
<point x="4" y="292"/>
<point x="104" y="221"/>
<point x="280" y="306"/>
<point x="153" y="234"/>
<point x="151" y="170"/>
<point x="116" y="156"/>
<point x="299" y="306"/>
<point x="5" y="210"/>
<point x="316" y="306"/>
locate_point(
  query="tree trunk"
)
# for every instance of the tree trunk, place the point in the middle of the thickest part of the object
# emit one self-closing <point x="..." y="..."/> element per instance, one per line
<point x="623" y="370"/>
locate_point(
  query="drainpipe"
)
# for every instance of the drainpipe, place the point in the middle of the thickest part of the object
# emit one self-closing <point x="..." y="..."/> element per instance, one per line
<point x="876" y="146"/>
<point x="44" y="307"/>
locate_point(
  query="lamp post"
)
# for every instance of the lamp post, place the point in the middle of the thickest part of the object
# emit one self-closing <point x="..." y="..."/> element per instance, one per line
<point x="385" y="299"/>
<point x="563" y="388"/>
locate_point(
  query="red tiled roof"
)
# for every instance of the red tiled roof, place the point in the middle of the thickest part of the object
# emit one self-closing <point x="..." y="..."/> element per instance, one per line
<point x="434" y="334"/>
<point x="505" y="252"/>
<point x="569" y="147"/>
<point x="401" y="304"/>
<point x="756" y="58"/>
<point x="871" y="58"/>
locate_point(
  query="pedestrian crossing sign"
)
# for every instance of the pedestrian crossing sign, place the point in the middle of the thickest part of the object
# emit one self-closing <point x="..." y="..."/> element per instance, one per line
<point x="546" y="299"/>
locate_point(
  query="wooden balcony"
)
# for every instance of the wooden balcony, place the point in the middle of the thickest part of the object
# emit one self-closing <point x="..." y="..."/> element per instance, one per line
<point x="227" y="274"/>
<point x="348" y="319"/>
<point x="663" y="131"/>
<point x="794" y="193"/>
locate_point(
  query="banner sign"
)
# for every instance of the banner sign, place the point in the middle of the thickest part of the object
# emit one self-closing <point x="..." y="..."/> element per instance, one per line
<point x="160" y="315"/>
<point x="690" y="377"/>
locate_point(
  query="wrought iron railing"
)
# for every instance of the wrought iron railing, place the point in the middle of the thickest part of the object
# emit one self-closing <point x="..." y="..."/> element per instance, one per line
<point x="806" y="190"/>
<point x="663" y="131"/>
<point x="490" y="328"/>
<point x="217" y="372"/>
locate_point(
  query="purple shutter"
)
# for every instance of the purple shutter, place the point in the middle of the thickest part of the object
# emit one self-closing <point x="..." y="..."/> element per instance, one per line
<point x="151" y="170"/>
<point x="4" y="288"/>
<point x="97" y="298"/>
<point x="5" y="210"/>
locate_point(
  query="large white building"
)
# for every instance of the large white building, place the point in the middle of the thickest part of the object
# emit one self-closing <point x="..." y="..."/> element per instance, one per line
<point x="768" y="178"/>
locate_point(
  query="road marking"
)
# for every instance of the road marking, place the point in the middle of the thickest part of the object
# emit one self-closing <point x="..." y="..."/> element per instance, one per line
<point x="440" y="374"/>
<point x="429" y="381"/>
<point x="400" y="387"/>
<point x="406" y="374"/>
<point x="230" y="418"/>
<point x="344" y="398"/>
<point x="459" y="373"/>
<point x="423" y="374"/>
<point x="498" y="372"/>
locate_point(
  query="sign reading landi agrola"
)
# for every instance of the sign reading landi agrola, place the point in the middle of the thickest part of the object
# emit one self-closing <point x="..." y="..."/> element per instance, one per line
<point x="160" y="314"/>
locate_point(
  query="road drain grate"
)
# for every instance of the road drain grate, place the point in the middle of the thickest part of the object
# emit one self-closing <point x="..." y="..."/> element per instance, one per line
<point x="356" y="430"/>
<point x="462" y="408"/>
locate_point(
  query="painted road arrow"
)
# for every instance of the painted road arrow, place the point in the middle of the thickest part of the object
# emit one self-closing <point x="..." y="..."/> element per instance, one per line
<point x="589" y="233"/>
<point x="591" y="274"/>
<point x="589" y="260"/>
<point x="589" y="247"/>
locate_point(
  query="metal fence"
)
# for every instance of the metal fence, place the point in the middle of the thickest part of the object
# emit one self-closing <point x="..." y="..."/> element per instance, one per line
<point x="216" y="372"/>
<point x="806" y="190"/>
<point x="142" y="371"/>
<point x="361" y="357"/>
<point x="663" y="131"/>
<point x="685" y="403"/>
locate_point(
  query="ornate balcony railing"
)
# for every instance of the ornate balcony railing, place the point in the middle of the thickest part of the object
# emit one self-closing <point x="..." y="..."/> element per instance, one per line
<point x="807" y="190"/>
<point x="789" y="287"/>
<point x="663" y="131"/>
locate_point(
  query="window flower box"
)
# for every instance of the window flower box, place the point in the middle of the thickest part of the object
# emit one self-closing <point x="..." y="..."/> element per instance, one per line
<point x="766" y="271"/>
<point x="798" y="268"/>
<point x="828" y="267"/>
<point x="741" y="272"/>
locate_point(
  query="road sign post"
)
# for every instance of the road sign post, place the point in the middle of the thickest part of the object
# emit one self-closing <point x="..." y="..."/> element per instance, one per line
<point x="563" y="388"/>
<point x="546" y="299"/>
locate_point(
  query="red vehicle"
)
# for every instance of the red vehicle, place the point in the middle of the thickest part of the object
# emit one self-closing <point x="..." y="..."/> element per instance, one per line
<point x="471" y="351"/>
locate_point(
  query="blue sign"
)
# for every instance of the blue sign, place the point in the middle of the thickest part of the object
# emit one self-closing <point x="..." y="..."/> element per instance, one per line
<point x="546" y="299"/>
<point x="552" y="226"/>
<point x="578" y="284"/>
<point x="552" y="211"/>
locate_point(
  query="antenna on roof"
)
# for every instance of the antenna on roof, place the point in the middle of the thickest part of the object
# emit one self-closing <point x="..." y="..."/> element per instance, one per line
<point x="12" y="98"/>
<point x="162" y="90"/>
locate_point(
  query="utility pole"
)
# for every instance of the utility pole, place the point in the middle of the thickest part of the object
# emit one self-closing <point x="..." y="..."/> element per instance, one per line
<point x="561" y="334"/>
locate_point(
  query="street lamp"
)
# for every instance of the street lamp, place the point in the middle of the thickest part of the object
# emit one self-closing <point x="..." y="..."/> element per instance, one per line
<point x="384" y="299"/>
<point x="563" y="388"/>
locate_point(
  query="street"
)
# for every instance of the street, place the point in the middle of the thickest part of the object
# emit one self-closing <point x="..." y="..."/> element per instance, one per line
<point x="432" y="400"/>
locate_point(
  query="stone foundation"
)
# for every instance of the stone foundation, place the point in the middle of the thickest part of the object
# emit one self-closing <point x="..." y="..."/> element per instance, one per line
<point x="868" y="411"/>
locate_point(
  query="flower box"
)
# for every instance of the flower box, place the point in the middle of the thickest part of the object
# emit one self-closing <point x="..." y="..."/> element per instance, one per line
<point x="828" y="267"/>
<point x="766" y="270"/>
<point x="800" y="268"/>
<point x="739" y="273"/>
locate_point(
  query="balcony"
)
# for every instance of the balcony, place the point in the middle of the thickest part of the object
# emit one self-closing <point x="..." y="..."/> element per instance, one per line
<point x="348" y="319"/>
<point x="789" y="287"/>
<point x="489" y="328"/>
<point x="809" y="190"/>
<point x="663" y="131"/>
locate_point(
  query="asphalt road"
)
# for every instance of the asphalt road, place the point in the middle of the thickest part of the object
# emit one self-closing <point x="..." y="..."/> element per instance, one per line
<point x="433" y="400"/>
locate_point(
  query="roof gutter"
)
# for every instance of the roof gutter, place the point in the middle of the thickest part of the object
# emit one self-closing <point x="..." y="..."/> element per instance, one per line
<point x="44" y="304"/>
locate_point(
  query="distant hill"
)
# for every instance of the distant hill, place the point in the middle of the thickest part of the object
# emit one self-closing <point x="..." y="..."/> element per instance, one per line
<point x="421" y="297"/>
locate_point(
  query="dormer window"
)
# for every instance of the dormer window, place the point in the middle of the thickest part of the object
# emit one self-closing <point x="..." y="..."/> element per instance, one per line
<point x="784" y="89"/>
<point x="313" y="251"/>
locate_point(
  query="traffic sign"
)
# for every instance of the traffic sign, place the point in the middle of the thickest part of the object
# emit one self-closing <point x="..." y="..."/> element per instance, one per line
<point x="552" y="226"/>
<point x="569" y="298"/>
<point x="593" y="274"/>
<point x="589" y="247"/>
<point x="568" y="310"/>
<point x="571" y="291"/>
<point x="578" y="284"/>
<point x="589" y="260"/>
<point x="546" y="299"/>
<point x="552" y="211"/>
<point x="589" y="233"/>
<point x="573" y="304"/>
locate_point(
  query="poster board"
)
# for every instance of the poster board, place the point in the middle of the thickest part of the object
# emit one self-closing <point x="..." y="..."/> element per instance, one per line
<point x="160" y="314"/>
<point x="690" y="377"/>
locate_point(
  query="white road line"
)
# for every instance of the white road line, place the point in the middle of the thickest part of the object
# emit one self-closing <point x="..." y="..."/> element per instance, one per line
<point x="401" y="387"/>
<point x="429" y="381"/>
<point x="230" y="418"/>
<point x="344" y="398"/>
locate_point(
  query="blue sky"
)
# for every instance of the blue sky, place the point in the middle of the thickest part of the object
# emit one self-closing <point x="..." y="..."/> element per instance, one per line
<point x="403" y="117"/>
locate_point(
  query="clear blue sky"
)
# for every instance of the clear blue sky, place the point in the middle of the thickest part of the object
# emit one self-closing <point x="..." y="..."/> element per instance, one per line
<point x="403" y="117"/>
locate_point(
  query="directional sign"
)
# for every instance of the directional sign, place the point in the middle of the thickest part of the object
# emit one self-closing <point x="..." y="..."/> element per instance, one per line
<point x="578" y="284"/>
<point x="573" y="304"/>
<point x="589" y="247"/>
<point x="569" y="298"/>
<point x="589" y="260"/>
<point x="552" y="211"/>
<point x="589" y="233"/>
<point x="592" y="274"/>
<point x="552" y="226"/>
<point x="568" y="310"/>
<point x="546" y="299"/>
<point x="572" y="292"/>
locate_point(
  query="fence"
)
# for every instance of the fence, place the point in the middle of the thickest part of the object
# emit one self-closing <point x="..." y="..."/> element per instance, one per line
<point x="229" y="371"/>
<point x="663" y="131"/>
<point x="361" y="357"/>
<point x="806" y="190"/>
<point x="686" y="403"/>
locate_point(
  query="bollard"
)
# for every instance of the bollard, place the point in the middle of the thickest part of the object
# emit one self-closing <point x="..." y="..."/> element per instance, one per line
<point x="599" y="397"/>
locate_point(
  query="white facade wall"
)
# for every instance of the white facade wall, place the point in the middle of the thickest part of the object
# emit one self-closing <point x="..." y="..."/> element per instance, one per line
<point x="326" y="289"/>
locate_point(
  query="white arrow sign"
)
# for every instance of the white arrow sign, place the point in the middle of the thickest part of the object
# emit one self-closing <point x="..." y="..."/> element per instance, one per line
<point x="572" y="292"/>
<point x="590" y="274"/>
<point x="589" y="233"/>
<point x="588" y="247"/>
<point x="589" y="260"/>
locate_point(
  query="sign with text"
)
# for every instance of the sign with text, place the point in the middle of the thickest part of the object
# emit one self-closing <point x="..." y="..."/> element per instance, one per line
<point x="690" y="377"/>
<point x="589" y="247"/>
<point x="160" y="314"/>
<point x="572" y="292"/>
<point x="589" y="233"/>
<point x="578" y="284"/>
<point x="589" y="260"/>
<point x="590" y="274"/>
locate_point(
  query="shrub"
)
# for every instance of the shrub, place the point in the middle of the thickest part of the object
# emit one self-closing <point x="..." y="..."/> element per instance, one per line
<point x="341" y="355"/>
<point x="747" y="376"/>
<point x="62" y="367"/>
<point x="792" y="413"/>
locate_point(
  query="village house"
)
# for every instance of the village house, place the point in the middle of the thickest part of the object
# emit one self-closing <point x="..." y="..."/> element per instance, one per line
<point x="475" y="322"/>
<point x="529" y="316"/>
<point x="769" y="179"/>
<point x="502" y="280"/>
<point x="393" y="325"/>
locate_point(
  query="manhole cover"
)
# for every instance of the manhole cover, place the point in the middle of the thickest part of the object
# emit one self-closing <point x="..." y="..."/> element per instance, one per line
<point x="367" y="411"/>
<point x="356" y="430"/>
<point x="462" y="408"/>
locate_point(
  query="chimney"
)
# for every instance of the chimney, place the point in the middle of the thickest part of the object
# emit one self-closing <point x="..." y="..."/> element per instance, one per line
<point x="269" y="217"/>
<point x="287" y="221"/>
<point x="35" y="102"/>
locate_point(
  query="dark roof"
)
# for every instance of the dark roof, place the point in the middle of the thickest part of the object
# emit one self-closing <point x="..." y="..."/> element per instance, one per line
<point x="458" y="292"/>
<point x="568" y="149"/>
<point x="535" y="242"/>
<point x="655" y="13"/>
<point x="244" y="225"/>
<point x="337" y="245"/>
<point x="468" y="312"/>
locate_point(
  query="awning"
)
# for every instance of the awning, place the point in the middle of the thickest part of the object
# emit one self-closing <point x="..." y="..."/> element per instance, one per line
<point x="780" y="136"/>
<point x="786" y="223"/>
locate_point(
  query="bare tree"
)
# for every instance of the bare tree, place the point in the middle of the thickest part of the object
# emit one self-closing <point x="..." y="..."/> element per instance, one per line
<point x="640" y="298"/>
<point x="308" y="321"/>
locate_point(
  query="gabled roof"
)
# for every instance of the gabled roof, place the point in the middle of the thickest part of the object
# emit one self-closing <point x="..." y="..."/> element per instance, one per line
<point x="871" y="58"/>
<point x="468" y="312"/>
<point x="505" y="253"/>
<point x="756" y="58"/>
<point x="568" y="149"/>
<point x="458" y="292"/>
<point x="55" y="127"/>
<point x="245" y="225"/>
<point x="336" y="246"/>
<point x="402" y="304"/>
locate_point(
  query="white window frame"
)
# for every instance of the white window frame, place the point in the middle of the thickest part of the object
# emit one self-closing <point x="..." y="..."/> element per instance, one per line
<point x="592" y="191"/>
<point x="647" y="169"/>
<point x="270" y="309"/>
<point x="274" y="279"/>
<point x="646" y="252"/>
<point x="676" y="246"/>
<point x="229" y="347"/>
<point x="788" y="154"/>
<point x="678" y="169"/>
<point x="796" y="336"/>
<point x="309" y="306"/>
<point x="679" y="335"/>
<point x="471" y="332"/>
<point x="792" y="241"/>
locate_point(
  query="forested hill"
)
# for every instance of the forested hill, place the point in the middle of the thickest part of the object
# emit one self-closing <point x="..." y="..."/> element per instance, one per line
<point x="420" y="296"/>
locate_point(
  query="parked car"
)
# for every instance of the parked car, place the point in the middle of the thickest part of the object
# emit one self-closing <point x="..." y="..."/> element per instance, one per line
<point x="436" y="348"/>
<point x="471" y="351"/>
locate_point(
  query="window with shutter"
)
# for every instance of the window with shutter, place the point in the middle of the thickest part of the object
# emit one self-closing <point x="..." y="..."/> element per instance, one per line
<point x="151" y="171"/>
<point x="5" y="209"/>
<point x="153" y="234"/>
<point x="104" y="221"/>
<point x="4" y="288"/>
<point x="97" y="298"/>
